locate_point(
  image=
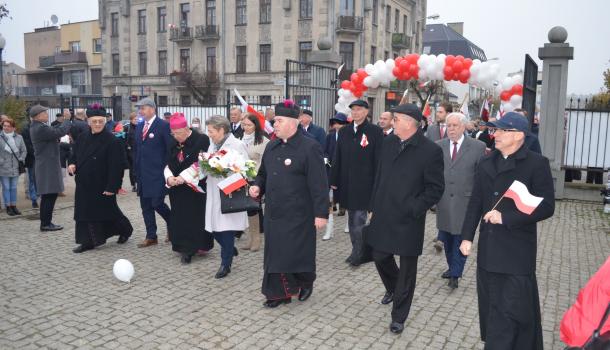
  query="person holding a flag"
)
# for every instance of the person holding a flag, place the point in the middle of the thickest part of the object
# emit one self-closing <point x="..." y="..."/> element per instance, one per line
<point x="513" y="192"/>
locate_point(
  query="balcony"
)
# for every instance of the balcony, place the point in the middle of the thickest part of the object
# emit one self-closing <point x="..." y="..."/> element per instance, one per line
<point x="350" y="24"/>
<point x="51" y="90"/>
<point x="207" y="33"/>
<point x="62" y="58"/>
<point x="207" y="79"/>
<point x="183" y="35"/>
<point x="401" y="41"/>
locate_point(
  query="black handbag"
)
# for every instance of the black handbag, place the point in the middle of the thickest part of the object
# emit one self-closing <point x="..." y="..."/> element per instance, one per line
<point x="21" y="165"/>
<point x="365" y="255"/>
<point x="237" y="201"/>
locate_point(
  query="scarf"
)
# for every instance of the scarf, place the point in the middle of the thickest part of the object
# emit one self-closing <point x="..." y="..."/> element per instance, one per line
<point x="218" y="146"/>
<point x="248" y="140"/>
<point x="9" y="144"/>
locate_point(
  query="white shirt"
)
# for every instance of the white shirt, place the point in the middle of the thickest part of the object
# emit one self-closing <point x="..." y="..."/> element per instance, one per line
<point x="150" y="121"/>
<point x="459" y="144"/>
<point x="234" y="126"/>
<point x="355" y="127"/>
<point x="387" y="132"/>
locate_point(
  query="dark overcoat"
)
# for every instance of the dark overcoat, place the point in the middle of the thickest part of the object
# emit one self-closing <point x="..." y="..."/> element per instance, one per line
<point x="45" y="139"/>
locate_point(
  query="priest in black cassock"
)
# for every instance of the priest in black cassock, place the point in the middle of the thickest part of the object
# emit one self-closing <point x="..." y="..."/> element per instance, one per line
<point x="97" y="163"/>
<point x="292" y="177"/>
<point x="186" y="192"/>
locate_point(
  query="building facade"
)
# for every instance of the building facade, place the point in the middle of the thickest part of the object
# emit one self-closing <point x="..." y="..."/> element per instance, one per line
<point x="13" y="78"/>
<point x="150" y="44"/>
<point x="64" y="61"/>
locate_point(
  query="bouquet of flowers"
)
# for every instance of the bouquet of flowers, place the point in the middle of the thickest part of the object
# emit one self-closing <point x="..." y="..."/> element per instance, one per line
<point x="225" y="163"/>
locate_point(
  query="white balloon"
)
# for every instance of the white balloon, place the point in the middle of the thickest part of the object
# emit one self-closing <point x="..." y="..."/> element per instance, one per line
<point x="508" y="107"/>
<point x="476" y="61"/>
<point x="516" y="100"/>
<point x="439" y="75"/>
<point x="369" y="69"/>
<point x="441" y="58"/>
<point x="507" y="83"/>
<point x="390" y="64"/>
<point x="517" y="79"/>
<point x="123" y="270"/>
<point x="420" y="61"/>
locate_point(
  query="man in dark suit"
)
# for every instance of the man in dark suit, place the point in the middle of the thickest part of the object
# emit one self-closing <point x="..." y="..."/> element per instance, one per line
<point x="306" y="120"/>
<point x="438" y="130"/>
<point x="353" y="172"/>
<point x="509" y="307"/>
<point x="235" y="118"/>
<point x="385" y="123"/>
<point x="152" y="141"/>
<point x="336" y="123"/>
<point x="409" y="182"/>
<point x="483" y="135"/>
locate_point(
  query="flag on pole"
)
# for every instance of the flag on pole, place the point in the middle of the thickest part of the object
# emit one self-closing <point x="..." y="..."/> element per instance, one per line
<point x="404" y="98"/>
<point x="245" y="107"/>
<point x="232" y="183"/>
<point x="500" y="112"/>
<point x="427" y="112"/>
<point x="524" y="200"/>
<point x="464" y="107"/>
<point x="485" y="110"/>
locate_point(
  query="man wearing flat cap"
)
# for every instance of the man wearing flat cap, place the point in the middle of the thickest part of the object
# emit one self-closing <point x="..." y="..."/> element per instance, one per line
<point x="151" y="146"/>
<point x="353" y="173"/>
<point x="318" y="133"/>
<point x="97" y="163"/>
<point x="409" y="182"/>
<point x="507" y="290"/>
<point x="49" y="178"/>
<point x="292" y="177"/>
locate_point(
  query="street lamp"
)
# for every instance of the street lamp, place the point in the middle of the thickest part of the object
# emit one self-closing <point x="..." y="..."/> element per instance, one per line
<point x="2" y="43"/>
<point x="434" y="16"/>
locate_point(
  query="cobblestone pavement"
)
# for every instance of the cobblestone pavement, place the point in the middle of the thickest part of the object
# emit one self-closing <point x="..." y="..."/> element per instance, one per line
<point x="52" y="298"/>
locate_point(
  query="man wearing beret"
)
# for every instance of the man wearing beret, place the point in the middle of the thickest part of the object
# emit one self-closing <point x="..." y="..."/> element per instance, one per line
<point x="410" y="181"/>
<point x="353" y="173"/>
<point x="509" y="306"/>
<point x="292" y="177"/>
<point x="49" y="178"/>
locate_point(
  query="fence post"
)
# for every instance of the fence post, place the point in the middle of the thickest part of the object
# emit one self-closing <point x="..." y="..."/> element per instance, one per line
<point x="228" y="102"/>
<point x="555" y="56"/>
<point x="61" y="102"/>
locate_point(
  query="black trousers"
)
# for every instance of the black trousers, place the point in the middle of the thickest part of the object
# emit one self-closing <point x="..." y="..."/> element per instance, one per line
<point x="509" y="311"/>
<point x="47" y="204"/>
<point x="400" y="281"/>
<point x="132" y="172"/>
<point x="286" y="285"/>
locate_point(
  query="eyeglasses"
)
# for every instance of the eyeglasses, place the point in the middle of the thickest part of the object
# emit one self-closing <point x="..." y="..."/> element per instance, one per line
<point x="495" y="130"/>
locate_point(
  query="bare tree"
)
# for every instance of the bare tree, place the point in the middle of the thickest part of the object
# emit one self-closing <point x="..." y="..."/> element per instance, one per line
<point x="4" y="12"/>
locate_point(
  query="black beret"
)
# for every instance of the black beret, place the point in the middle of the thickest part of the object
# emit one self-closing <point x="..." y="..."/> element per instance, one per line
<point x="96" y="110"/>
<point x="308" y="112"/>
<point x="409" y="109"/>
<point x="360" y="103"/>
<point x="287" y="109"/>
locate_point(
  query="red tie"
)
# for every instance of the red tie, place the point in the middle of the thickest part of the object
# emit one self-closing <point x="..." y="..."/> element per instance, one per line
<point x="454" y="152"/>
<point x="144" y="131"/>
<point x="442" y="131"/>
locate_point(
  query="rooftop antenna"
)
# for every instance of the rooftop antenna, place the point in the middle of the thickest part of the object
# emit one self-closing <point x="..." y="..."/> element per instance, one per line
<point x="54" y="19"/>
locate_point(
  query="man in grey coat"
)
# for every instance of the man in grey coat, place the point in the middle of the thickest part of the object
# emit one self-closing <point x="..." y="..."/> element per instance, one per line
<point x="461" y="155"/>
<point x="49" y="179"/>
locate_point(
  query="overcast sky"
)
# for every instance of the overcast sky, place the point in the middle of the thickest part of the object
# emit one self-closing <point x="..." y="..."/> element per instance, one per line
<point x="504" y="29"/>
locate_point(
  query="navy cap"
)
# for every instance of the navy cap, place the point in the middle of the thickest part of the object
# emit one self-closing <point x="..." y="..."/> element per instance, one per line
<point x="308" y="112"/>
<point x="340" y="118"/>
<point x="360" y="103"/>
<point x="409" y="109"/>
<point x="511" y="120"/>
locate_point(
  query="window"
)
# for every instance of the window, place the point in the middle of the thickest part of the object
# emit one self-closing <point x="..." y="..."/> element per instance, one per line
<point x="386" y="55"/>
<point x="211" y="59"/>
<point x="184" y="14"/>
<point x="346" y="50"/>
<point x="163" y="62"/>
<point x="162" y="101"/>
<point x="77" y="78"/>
<point x="161" y="19"/>
<point x="373" y="54"/>
<point x="114" y="24"/>
<point x="75" y="46"/>
<point x="185" y="100"/>
<point x="115" y="64"/>
<point x="241" y="16"/>
<point x="304" y="51"/>
<point x="142" y="58"/>
<point x="265" y="100"/>
<point x="397" y="21"/>
<point x="265" y="58"/>
<point x="375" y="15"/>
<point x="185" y="60"/>
<point x="265" y="10"/>
<point x="97" y="45"/>
<point x="141" y="21"/>
<point x="240" y="60"/>
<point x="388" y="18"/>
<point x="405" y="23"/>
<point x="210" y="12"/>
<point x="305" y="9"/>
<point x="347" y="8"/>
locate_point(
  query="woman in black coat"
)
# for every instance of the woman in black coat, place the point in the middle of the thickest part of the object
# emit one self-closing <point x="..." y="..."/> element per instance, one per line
<point x="187" y="199"/>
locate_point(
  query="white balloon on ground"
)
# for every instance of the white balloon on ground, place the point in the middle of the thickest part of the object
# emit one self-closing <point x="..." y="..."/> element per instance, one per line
<point x="123" y="270"/>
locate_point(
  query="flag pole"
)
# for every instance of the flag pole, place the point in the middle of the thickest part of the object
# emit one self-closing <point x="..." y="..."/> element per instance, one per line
<point x="498" y="202"/>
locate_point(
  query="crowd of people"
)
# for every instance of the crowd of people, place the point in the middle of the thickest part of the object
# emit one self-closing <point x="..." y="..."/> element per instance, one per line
<point x="385" y="177"/>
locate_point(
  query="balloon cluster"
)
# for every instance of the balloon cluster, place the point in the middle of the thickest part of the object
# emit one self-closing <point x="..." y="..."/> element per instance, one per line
<point x="511" y="92"/>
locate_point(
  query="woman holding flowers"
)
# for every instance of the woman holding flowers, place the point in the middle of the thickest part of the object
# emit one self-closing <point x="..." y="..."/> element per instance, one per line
<point x="223" y="226"/>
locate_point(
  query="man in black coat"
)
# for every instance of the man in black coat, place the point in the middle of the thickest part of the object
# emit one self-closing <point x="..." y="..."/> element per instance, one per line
<point x="292" y="177"/>
<point x="235" y="119"/>
<point x="353" y="172"/>
<point x="410" y="181"/>
<point x="29" y="165"/>
<point x="509" y="308"/>
<point x="318" y="133"/>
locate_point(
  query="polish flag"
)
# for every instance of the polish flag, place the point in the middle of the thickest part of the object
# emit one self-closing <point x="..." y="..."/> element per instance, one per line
<point x="364" y="141"/>
<point x="524" y="200"/>
<point x="427" y="112"/>
<point x="485" y="110"/>
<point x="245" y="107"/>
<point x="232" y="183"/>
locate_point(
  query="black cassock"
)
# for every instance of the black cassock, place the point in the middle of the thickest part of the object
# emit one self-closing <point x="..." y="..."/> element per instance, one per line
<point x="99" y="160"/>
<point x="187" y="219"/>
<point x="293" y="179"/>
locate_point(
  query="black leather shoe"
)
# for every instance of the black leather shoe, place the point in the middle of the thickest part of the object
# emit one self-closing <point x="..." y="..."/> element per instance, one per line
<point x="16" y="211"/>
<point x="349" y="259"/>
<point x="277" y="302"/>
<point x="223" y="271"/>
<point x="446" y="275"/>
<point x="133" y="189"/>
<point x="354" y="262"/>
<point x="35" y="205"/>
<point x="387" y="298"/>
<point x="453" y="283"/>
<point x="81" y="249"/>
<point x="238" y="234"/>
<point x="305" y="293"/>
<point x="122" y="239"/>
<point x="235" y="251"/>
<point x="186" y="259"/>
<point x="396" y="327"/>
<point x="9" y="211"/>
<point x="51" y="227"/>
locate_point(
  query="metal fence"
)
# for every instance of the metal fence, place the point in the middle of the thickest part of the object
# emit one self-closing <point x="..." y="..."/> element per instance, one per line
<point x="587" y="133"/>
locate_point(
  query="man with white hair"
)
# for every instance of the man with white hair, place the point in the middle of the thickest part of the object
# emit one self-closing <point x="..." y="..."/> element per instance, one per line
<point x="461" y="156"/>
<point x="235" y="116"/>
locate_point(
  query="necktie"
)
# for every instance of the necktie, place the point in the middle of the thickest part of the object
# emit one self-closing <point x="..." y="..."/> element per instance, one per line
<point x="145" y="131"/>
<point x="442" y="131"/>
<point x="454" y="152"/>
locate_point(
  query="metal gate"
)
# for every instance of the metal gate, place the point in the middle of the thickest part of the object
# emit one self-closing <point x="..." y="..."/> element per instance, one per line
<point x="313" y="87"/>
